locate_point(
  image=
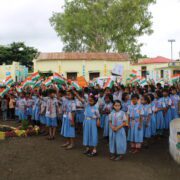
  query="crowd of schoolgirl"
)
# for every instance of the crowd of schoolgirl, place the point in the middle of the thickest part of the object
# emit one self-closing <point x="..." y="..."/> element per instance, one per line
<point x="125" y="114"/>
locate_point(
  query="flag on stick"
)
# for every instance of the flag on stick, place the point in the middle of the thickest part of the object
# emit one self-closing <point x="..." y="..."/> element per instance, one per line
<point x="109" y="83"/>
<point x="133" y="73"/>
<point x="58" y="78"/>
<point x="143" y="82"/>
<point x="76" y="86"/>
<point x="136" y="79"/>
<point x="175" y="78"/>
<point x="9" y="80"/>
<point x="4" y="91"/>
<point x="35" y="76"/>
<point x="48" y="81"/>
<point x="27" y="82"/>
<point x="38" y="83"/>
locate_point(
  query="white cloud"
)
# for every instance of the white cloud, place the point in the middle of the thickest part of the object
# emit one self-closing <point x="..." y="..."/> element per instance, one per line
<point x="166" y="15"/>
<point x="28" y="21"/>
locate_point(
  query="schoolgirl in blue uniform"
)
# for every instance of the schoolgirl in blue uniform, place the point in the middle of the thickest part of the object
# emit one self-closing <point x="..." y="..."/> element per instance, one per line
<point x="91" y="121"/>
<point x="175" y="100"/>
<point x="107" y="91"/>
<point x="51" y="113"/>
<point x="125" y="102"/>
<point x="61" y="100"/>
<point x="36" y="106"/>
<point x="159" y="107"/>
<point x="167" y="109"/>
<point x="146" y="117"/>
<point x="153" y="119"/>
<point x="90" y="131"/>
<point x="68" y="122"/>
<point x="117" y="95"/>
<point x="30" y="103"/>
<point x="42" y="111"/>
<point x="17" y="107"/>
<point x="79" y="112"/>
<point x="22" y="104"/>
<point x="106" y="110"/>
<point x="135" y="132"/>
<point x="100" y="105"/>
<point x="117" y="134"/>
<point x="59" y="113"/>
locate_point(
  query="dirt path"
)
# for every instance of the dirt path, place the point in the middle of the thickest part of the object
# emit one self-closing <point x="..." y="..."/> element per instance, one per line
<point x="35" y="158"/>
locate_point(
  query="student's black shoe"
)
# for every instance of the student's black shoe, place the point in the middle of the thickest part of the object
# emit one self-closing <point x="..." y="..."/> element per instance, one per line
<point x="92" y="154"/>
<point x="112" y="157"/>
<point x="118" y="158"/>
<point x="87" y="152"/>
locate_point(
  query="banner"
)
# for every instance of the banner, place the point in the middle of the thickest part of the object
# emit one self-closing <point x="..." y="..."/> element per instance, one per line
<point x="118" y="70"/>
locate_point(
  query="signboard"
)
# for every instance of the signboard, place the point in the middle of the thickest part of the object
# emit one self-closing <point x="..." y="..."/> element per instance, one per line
<point x="118" y="70"/>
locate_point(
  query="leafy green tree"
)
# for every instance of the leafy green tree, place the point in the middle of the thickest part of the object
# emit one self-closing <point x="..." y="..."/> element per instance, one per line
<point x="18" y="51"/>
<point x="103" y="25"/>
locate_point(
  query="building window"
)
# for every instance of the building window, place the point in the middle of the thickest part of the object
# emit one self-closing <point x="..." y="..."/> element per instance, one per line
<point x="162" y="73"/>
<point x="72" y="75"/>
<point x="94" y="75"/>
<point x="176" y="72"/>
<point x="144" y="71"/>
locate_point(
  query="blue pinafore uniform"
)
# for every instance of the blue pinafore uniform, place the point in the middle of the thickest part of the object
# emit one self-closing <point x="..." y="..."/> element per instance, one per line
<point x="167" y="115"/>
<point x="100" y="104"/>
<point x="36" y="109"/>
<point x="117" y="140"/>
<point x="90" y="131"/>
<point x="30" y="103"/>
<point x="51" y="112"/>
<point x="22" y="109"/>
<point x="125" y="106"/>
<point x="174" y="107"/>
<point x="135" y="134"/>
<point x="42" y="117"/>
<point x="107" y="107"/>
<point x="153" y="119"/>
<point x="79" y="111"/>
<point x="147" y="120"/>
<point x="67" y="130"/>
<point x="159" y="114"/>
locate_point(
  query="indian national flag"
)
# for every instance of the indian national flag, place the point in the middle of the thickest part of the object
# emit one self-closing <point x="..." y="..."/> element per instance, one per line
<point x="4" y="91"/>
<point x="136" y="79"/>
<point x="58" y="78"/>
<point x="27" y="82"/>
<point x="9" y="80"/>
<point x="35" y="76"/>
<point x="19" y="89"/>
<point x="38" y="83"/>
<point x="109" y="83"/>
<point x="48" y="81"/>
<point x="133" y="73"/>
<point x="76" y="86"/>
<point x="143" y="81"/>
<point x="175" y="78"/>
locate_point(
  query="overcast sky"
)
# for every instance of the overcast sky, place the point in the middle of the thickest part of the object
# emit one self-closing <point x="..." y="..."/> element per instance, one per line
<point x="28" y="21"/>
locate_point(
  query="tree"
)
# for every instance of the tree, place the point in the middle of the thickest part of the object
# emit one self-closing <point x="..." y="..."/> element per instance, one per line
<point x="18" y="51"/>
<point x="103" y="25"/>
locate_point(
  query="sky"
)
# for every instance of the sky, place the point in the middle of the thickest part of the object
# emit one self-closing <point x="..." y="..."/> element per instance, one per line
<point x="28" y="21"/>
